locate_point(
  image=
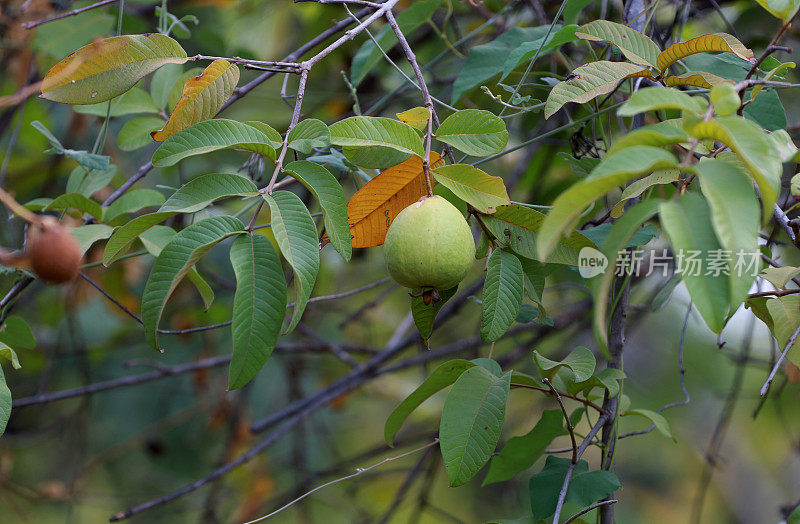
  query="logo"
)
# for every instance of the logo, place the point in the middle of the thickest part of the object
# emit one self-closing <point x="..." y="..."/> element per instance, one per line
<point x="591" y="262"/>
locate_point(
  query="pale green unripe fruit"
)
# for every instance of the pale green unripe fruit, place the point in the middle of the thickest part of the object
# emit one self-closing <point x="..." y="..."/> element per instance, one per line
<point x="429" y="245"/>
<point x="725" y="99"/>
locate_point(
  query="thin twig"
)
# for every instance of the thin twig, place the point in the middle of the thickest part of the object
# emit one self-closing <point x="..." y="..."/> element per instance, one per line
<point x="31" y="25"/>
<point x="562" y="495"/>
<point x="590" y="508"/>
<point x="566" y="419"/>
<point x="359" y="471"/>
<point x="771" y="377"/>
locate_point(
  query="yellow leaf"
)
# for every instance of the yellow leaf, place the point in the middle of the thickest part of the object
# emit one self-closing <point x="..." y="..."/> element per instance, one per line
<point x="696" y="79"/>
<point x="372" y="209"/>
<point x="417" y="117"/>
<point x="108" y="67"/>
<point x="717" y="42"/>
<point x="202" y="98"/>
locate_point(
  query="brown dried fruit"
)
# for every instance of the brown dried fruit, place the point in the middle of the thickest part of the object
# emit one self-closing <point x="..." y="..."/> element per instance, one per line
<point x="53" y="253"/>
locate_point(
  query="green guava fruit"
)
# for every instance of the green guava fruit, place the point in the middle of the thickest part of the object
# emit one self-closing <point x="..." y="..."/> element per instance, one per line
<point x="725" y="99"/>
<point x="429" y="245"/>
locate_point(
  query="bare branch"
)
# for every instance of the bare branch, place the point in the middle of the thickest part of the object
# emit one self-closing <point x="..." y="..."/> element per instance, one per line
<point x="31" y="25"/>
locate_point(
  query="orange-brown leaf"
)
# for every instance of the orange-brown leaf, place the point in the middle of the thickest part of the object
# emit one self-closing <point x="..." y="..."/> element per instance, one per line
<point x="717" y="42"/>
<point x="374" y="206"/>
<point x="203" y="96"/>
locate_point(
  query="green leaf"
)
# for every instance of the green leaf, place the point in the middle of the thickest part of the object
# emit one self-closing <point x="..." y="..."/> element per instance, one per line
<point x="502" y="294"/>
<point x="636" y="188"/>
<point x="607" y="379"/>
<point x="193" y="196"/>
<point x="76" y="201"/>
<point x="16" y="332"/>
<point x="585" y="487"/>
<point x="688" y="223"/>
<point x="136" y="132"/>
<point x="520" y="453"/>
<point x="108" y="67"/>
<point x="538" y="47"/>
<point x="324" y="186"/>
<point x="296" y="234"/>
<point x="8" y="353"/>
<point x="617" y="239"/>
<point x="442" y="376"/>
<point x="753" y="147"/>
<point x="5" y="402"/>
<point x="275" y="138"/>
<point x="88" y="160"/>
<point x="201" y="191"/>
<point x="133" y="102"/>
<point x="656" y="135"/>
<point x="155" y="239"/>
<point x="368" y="55"/>
<point x="779" y="276"/>
<point x="131" y="202"/>
<point x="487" y="60"/>
<point x="613" y="172"/>
<point x="376" y="142"/>
<point x="124" y="235"/>
<point x="472" y="419"/>
<point x="88" y="183"/>
<point x="424" y="315"/>
<point x="309" y="134"/>
<point x="767" y="111"/>
<point x="175" y="260"/>
<point x="580" y="362"/>
<point x="783" y="9"/>
<point x="785" y="314"/>
<point x="474" y="132"/>
<point x="258" y="306"/>
<point x="518" y="226"/>
<point x="479" y="189"/>
<point x="734" y="215"/>
<point x="416" y="117"/>
<point x="655" y="98"/>
<point x="590" y="81"/>
<point x="656" y="418"/>
<point x="209" y="136"/>
<point x="89" y="234"/>
<point x="636" y="47"/>
<point x="162" y="81"/>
